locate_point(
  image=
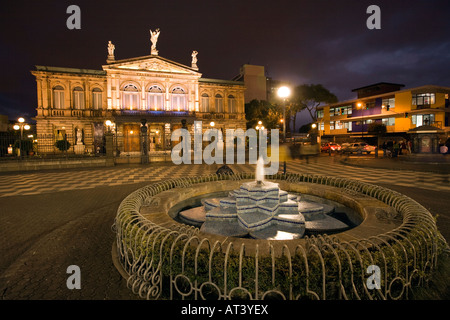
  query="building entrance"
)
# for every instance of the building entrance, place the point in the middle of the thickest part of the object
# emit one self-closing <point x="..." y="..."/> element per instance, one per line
<point x="131" y="133"/>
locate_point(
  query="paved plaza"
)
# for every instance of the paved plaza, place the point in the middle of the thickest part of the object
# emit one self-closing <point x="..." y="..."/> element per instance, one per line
<point x="50" y="220"/>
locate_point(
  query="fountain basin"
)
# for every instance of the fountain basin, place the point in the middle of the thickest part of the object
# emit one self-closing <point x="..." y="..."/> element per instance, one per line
<point x="356" y="210"/>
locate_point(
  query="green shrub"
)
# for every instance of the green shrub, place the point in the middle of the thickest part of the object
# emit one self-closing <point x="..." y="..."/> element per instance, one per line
<point x="62" y="145"/>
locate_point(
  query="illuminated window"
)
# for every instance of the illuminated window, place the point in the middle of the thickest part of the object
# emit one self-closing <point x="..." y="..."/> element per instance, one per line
<point x="319" y="114"/>
<point x="331" y="125"/>
<point x="179" y="99"/>
<point x="388" y="121"/>
<point x="389" y="102"/>
<point x="78" y="98"/>
<point x="130" y="97"/>
<point x="219" y="103"/>
<point x="423" y="99"/>
<point x="96" y="98"/>
<point x="232" y="107"/>
<point x="58" y="97"/>
<point x="422" y="119"/>
<point x="348" y="126"/>
<point x="155" y="98"/>
<point x="204" y="107"/>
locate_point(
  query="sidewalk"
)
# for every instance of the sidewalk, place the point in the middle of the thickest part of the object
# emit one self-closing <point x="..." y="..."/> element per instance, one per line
<point x="424" y="163"/>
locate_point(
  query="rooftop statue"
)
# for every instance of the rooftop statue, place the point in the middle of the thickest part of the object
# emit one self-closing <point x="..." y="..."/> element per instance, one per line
<point x="154" y="39"/>
<point x="111" y="48"/>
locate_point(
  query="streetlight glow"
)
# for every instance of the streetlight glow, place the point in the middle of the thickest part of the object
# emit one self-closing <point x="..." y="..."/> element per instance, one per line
<point x="16" y="127"/>
<point x="21" y="120"/>
<point x="284" y="92"/>
<point x="26" y="127"/>
<point x="212" y="123"/>
<point x="314" y="125"/>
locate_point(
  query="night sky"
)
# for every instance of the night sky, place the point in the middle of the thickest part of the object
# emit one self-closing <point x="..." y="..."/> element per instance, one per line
<point x="303" y="42"/>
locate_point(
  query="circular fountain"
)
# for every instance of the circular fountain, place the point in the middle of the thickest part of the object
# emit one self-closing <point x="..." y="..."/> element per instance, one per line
<point x="286" y="236"/>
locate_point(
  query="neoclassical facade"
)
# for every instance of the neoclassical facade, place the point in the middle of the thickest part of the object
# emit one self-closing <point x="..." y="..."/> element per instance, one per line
<point x="81" y="105"/>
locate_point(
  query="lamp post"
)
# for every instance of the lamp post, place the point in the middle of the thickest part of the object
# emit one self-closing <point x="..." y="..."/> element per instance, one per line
<point x="284" y="92"/>
<point x="359" y="105"/>
<point x="21" y="126"/>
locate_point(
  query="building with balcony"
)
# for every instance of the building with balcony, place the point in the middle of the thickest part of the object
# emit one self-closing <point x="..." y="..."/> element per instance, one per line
<point x="152" y="91"/>
<point x="399" y="109"/>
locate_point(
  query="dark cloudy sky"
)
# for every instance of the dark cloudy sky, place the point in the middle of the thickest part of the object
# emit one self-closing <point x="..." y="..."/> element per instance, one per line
<point x="317" y="41"/>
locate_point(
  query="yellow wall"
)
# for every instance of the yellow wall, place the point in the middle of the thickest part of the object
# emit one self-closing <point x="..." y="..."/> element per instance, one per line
<point x="403" y="102"/>
<point x="440" y="101"/>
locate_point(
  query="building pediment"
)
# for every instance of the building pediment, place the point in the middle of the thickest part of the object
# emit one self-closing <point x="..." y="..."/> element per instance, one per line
<point x="151" y="64"/>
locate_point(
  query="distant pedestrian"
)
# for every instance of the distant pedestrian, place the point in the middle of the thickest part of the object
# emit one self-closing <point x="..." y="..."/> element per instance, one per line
<point x="408" y="146"/>
<point x="403" y="147"/>
<point x="396" y="147"/>
<point x="384" y="147"/>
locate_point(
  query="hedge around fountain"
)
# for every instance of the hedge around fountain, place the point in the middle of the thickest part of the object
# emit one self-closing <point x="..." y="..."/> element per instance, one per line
<point x="174" y="261"/>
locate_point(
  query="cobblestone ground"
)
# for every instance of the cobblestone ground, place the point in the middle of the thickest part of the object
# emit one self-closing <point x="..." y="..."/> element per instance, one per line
<point x="51" y="220"/>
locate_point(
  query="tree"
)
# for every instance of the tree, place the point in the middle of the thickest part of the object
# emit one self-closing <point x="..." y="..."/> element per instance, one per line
<point x="62" y="145"/>
<point x="310" y="96"/>
<point x="261" y="110"/>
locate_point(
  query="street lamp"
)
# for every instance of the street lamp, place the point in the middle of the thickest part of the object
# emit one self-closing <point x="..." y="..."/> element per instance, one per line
<point x="108" y="125"/>
<point x="21" y="126"/>
<point x="359" y="105"/>
<point x="284" y="92"/>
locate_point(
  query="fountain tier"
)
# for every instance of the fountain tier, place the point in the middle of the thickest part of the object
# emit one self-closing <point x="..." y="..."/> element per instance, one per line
<point x="261" y="210"/>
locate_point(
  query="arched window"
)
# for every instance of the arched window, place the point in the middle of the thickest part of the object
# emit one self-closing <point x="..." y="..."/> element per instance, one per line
<point x="204" y="107"/>
<point x="219" y="103"/>
<point x="78" y="98"/>
<point x="58" y="97"/>
<point x="155" y="98"/>
<point x="232" y="106"/>
<point x="178" y="99"/>
<point x="97" y="98"/>
<point x="130" y="97"/>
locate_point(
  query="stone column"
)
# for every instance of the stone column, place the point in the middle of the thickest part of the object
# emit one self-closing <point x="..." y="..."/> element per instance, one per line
<point x="109" y="146"/>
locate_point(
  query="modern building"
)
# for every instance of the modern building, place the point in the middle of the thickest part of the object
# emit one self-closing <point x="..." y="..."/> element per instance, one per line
<point x="258" y="86"/>
<point x="254" y="78"/>
<point x="152" y="91"/>
<point x="388" y="103"/>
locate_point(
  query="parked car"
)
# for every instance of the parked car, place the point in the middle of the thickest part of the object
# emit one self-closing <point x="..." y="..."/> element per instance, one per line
<point x="326" y="147"/>
<point x="358" y="147"/>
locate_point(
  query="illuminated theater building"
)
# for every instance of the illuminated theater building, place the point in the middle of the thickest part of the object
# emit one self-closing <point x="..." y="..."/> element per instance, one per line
<point x="81" y="105"/>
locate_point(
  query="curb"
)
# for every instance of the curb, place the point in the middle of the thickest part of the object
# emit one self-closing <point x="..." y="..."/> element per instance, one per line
<point x="398" y="168"/>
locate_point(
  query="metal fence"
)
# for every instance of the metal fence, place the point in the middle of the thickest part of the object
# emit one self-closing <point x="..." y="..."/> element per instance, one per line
<point x="16" y="146"/>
